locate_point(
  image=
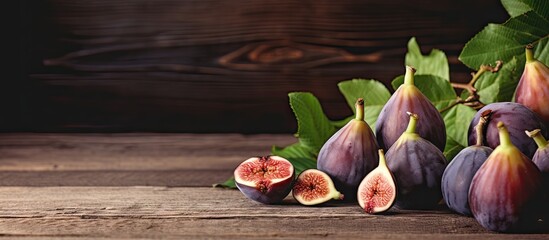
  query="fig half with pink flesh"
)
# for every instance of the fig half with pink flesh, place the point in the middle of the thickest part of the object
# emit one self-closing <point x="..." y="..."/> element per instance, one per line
<point x="314" y="187"/>
<point x="377" y="192"/>
<point x="265" y="179"/>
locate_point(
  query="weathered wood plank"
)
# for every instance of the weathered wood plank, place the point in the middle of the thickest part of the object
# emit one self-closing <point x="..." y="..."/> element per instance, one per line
<point x="211" y="213"/>
<point x="127" y="159"/>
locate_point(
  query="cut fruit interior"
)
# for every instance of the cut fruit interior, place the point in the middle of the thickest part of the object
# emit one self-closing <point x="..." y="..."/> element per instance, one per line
<point x="314" y="187"/>
<point x="260" y="171"/>
<point x="377" y="192"/>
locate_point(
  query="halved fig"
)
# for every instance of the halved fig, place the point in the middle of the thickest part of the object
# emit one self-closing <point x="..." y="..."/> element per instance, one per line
<point x="314" y="187"/>
<point x="377" y="191"/>
<point x="265" y="179"/>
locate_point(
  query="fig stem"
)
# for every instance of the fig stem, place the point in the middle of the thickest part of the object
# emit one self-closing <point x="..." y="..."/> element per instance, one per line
<point x="538" y="138"/>
<point x="504" y="138"/>
<point x="382" y="160"/>
<point x="530" y="53"/>
<point x="338" y="196"/>
<point x="413" y="123"/>
<point x="409" y="75"/>
<point x="479" y="128"/>
<point x="359" y="109"/>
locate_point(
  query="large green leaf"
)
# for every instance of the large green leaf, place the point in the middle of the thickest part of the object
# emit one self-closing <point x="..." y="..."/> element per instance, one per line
<point x="435" y="63"/>
<point x="374" y="93"/>
<point x="505" y="41"/>
<point x="457" y="120"/>
<point x="518" y="7"/>
<point x="499" y="86"/>
<point x="452" y="148"/>
<point x="313" y="127"/>
<point x="436" y="89"/>
<point x="302" y="158"/>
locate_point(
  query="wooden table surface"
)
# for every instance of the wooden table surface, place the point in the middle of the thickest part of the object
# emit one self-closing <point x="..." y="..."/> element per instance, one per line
<point x="160" y="186"/>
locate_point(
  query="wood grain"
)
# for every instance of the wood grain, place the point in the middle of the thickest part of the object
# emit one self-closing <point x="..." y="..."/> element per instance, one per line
<point x="218" y="66"/>
<point x="127" y="159"/>
<point x="159" y="212"/>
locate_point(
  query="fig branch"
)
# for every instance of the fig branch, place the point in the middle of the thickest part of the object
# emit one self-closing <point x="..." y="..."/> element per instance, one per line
<point x="473" y="100"/>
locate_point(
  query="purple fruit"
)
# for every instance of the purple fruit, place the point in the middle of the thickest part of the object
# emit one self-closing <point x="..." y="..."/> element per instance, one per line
<point x="516" y="118"/>
<point x="504" y="192"/>
<point x="541" y="159"/>
<point x="459" y="173"/>
<point x="533" y="88"/>
<point x="392" y="120"/>
<point x="349" y="154"/>
<point x="418" y="166"/>
<point x="265" y="179"/>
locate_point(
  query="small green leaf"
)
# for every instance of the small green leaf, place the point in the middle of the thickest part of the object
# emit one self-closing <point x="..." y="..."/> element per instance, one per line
<point x="436" y="89"/>
<point x="374" y="93"/>
<point x="435" y="63"/>
<point x="302" y="158"/>
<point x="227" y="184"/>
<point x="505" y="41"/>
<point x="313" y="127"/>
<point x="451" y="149"/>
<point x="457" y="120"/>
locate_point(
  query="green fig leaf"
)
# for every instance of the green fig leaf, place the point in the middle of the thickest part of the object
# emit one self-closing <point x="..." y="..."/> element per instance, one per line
<point x="499" y="86"/>
<point x="230" y="183"/>
<point x="436" y="89"/>
<point x="313" y="127"/>
<point x="435" y="63"/>
<point x="374" y="93"/>
<point x="452" y="148"/>
<point x="519" y="7"/>
<point x="457" y="120"/>
<point x="505" y="41"/>
<point x="302" y="158"/>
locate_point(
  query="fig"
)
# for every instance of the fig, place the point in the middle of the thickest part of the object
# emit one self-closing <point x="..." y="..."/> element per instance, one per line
<point x="417" y="165"/>
<point x="533" y="87"/>
<point x="460" y="171"/>
<point x="377" y="192"/>
<point x="392" y="120"/>
<point x="541" y="159"/>
<point x="265" y="179"/>
<point x="349" y="154"/>
<point x="516" y="118"/>
<point x="314" y="187"/>
<point x="505" y="189"/>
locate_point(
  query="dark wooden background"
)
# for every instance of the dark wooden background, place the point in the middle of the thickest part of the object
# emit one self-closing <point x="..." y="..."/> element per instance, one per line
<point x="214" y="65"/>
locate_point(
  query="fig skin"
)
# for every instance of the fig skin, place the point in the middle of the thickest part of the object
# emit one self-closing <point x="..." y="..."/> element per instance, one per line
<point x="418" y="166"/>
<point x="377" y="196"/>
<point x="541" y="160"/>
<point x="459" y="173"/>
<point x="516" y="118"/>
<point x="533" y="87"/>
<point x="504" y="193"/>
<point x="349" y="154"/>
<point x="265" y="190"/>
<point x="392" y="120"/>
<point x="313" y="187"/>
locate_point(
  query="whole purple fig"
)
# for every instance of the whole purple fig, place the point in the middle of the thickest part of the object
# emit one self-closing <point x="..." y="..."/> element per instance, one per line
<point x="392" y="120"/>
<point x="516" y="118"/>
<point x="541" y="159"/>
<point x="505" y="190"/>
<point x="459" y="173"/>
<point x="418" y="166"/>
<point x="350" y="154"/>
<point x="533" y="88"/>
